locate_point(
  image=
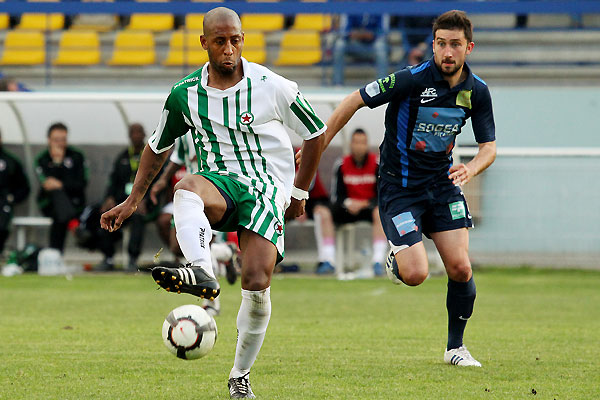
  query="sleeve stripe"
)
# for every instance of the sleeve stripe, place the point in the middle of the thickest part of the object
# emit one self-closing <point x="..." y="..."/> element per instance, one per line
<point x="309" y="110"/>
<point x="307" y="123"/>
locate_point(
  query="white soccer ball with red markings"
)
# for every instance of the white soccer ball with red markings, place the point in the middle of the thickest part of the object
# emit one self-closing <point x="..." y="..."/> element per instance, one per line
<point x="189" y="332"/>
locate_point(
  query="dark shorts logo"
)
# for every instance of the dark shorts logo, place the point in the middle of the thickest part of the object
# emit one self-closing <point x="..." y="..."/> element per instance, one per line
<point x="246" y="118"/>
<point x="457" y="210"/>
<point x="405" y="223"/>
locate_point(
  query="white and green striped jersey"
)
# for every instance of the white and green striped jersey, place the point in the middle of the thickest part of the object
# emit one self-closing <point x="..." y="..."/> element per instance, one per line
<point x="239" y="131"/>
<point x="184" y="153"/>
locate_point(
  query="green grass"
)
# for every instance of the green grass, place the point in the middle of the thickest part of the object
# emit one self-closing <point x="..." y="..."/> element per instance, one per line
<point x="98" y="337"/>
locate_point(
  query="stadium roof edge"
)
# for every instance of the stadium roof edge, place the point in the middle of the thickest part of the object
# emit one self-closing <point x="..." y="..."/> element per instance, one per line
<point x="395" y="7"/>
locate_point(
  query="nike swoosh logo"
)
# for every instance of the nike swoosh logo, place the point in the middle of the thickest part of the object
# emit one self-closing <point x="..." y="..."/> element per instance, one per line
<point x="427" y="100"/>
<point x="463" y="318"/>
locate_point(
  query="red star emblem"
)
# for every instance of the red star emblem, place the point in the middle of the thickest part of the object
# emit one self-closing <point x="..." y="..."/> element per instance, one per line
<point x="278" y="228"/>
<point x="246" y="118"/>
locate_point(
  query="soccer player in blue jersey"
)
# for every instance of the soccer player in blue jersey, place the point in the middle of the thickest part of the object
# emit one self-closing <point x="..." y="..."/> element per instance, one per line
<point x="419" y="186"/>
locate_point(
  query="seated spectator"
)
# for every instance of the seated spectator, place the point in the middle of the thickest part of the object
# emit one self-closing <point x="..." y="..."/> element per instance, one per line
<point x="63" y="176"/>
<point x="318" y="208"/>
<point x="416" y="37"/>
<point x="361" y="38"/>
<point x="14" y="188"/>
<point x="119" y="187"/>
<point x="355" y="197"/>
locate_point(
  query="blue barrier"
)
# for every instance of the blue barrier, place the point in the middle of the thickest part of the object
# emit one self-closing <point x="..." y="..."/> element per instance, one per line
<point x="394" y="7"/>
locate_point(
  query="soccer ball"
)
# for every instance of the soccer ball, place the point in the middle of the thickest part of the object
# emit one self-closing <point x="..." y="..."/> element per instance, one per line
<point x="189" y="332"/>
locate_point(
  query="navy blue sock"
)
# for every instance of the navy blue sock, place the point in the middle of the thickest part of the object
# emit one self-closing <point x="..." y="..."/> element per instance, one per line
<point x="459" y="302"/>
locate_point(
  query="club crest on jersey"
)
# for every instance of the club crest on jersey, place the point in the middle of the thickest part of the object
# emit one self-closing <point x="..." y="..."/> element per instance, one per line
<point x="246" y="118"/>
<point x="429" y="92"/>
<point x="278" y="227"/>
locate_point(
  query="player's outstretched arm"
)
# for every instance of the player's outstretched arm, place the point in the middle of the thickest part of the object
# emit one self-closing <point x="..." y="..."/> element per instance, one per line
<point x="150" y="164"/>
<point x="342" y="114"/>
<point x="461" y="174"/>
<point x="340" y="117"/>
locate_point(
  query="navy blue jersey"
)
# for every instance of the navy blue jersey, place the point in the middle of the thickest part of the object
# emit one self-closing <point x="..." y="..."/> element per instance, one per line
<point x="423" y="118"/>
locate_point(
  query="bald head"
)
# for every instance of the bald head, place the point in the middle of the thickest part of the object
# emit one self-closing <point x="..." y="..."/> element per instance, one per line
<point x="220" y="16"/>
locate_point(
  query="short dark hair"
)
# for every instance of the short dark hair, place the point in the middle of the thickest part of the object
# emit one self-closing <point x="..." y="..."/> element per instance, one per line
<point x="57" y="125"/>
<point x="454" y="20"/>
<point x="136" y="126"/>
<point x="359" y="131"/>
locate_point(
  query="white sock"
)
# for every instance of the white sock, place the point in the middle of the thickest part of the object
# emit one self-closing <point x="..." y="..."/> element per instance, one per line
<point x="328" y="250"/>
<point x="193" y="229"/>
<point x="215" y="263"/>
<point x="252" y="321"/>
<point x="221" y="251"/>
<point x="380" y="249"/>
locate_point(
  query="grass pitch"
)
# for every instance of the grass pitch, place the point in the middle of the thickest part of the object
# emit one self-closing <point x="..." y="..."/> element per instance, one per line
<point x="537" y="334"/>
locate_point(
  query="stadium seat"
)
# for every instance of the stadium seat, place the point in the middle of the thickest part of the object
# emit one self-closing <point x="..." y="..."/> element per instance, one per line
<point x="151" y="22"/>
<point x="185" y="49"/>
<point x="4" y="21"/>
<point x="194" y="22"/>
<point x="299" y="48"/>
<point x="549" y="21"/>
<point x="24" y="48"/>
<point x="590" y="20"/>
<point x="44" y="22"/>
<point x="95" y="22"/>
<point x="312" y="22"/>
<point x="133" y="48"/>
<point x="78" y="48"/>
<point x="262" y="22"/>
<point x="255" y="47"/>
<point x="493" y="21"/>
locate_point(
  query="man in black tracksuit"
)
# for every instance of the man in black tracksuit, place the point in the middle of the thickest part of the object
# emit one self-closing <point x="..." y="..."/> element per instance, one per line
<point x="14" y="188"/>
<point x="119" y="187"/>
<point x="63" y="176"/>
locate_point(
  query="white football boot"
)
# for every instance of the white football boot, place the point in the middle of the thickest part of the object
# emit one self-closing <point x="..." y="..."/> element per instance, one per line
<point x="460" y="357"/>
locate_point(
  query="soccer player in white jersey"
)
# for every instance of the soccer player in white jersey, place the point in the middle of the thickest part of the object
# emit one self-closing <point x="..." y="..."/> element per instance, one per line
<point x="236" y="111"/>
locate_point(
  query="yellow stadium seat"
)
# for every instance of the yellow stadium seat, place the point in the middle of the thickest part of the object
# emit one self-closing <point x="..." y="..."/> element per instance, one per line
<point x="299" y="48"/>
<point x="151" y="22"/>
<point x="312" y="22"/>
<point x="95" y="22"/>
<point x="262" y="22"/>
<point x="254" y="47"/>
<point x="193" y="22"/>
<point x="44" y="22"/>
<point x="133" y="48"/>
<point x="24" y="48"/>
<point x="185" y="49"/>
<point x="4" y="21"/>
<point x="78" y="48"/>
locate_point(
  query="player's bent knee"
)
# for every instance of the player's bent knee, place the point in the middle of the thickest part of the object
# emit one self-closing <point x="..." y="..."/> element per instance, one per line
<point x="256" y="280"/>
<point x="414" y="278"/>
<point x="459" y="272"/>
<point x="186" y="184"/>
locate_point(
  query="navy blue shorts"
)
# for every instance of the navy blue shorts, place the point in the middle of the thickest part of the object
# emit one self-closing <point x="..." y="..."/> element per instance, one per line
<point x="407" y="213"/>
